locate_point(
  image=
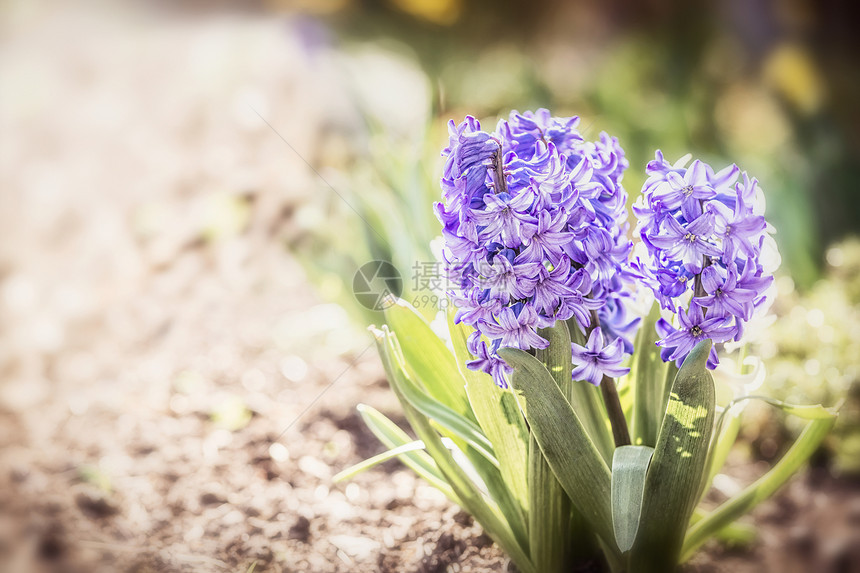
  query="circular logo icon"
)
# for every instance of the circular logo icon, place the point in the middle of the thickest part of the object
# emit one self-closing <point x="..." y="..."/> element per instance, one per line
<point x="376" y="284"/>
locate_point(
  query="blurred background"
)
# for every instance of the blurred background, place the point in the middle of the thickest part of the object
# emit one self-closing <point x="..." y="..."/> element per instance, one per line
<point x="188" y="188"/>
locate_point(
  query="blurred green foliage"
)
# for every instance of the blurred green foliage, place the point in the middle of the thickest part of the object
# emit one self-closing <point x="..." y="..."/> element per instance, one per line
<point x="811" y="350"/>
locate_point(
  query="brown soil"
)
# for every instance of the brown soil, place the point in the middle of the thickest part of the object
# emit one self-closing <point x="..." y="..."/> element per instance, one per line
<point x="173" y="395"/>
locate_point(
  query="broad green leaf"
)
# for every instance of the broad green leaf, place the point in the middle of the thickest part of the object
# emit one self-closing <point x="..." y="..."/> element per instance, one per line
<point x="427" y="359"/>
<point x="586" y="401"/>
<point x="549" y="518"/>
<point x="499" y="416"/>
<point x="648" y="377"/>
<point x="461" y="427"/>
<point x="677" y="467"/>
<point x="392" y="436"/>
<point x="821" y="420"/>
<point x="563" y="441"/>
<point x="353" y="471"/>
<point x="474" y="445"/>
<point x="629" y="468"/>
<point x="471" y="499"/>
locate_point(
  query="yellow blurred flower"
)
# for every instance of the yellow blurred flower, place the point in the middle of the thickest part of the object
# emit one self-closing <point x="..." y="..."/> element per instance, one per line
<point x="751" y="121"/>
<point x="790" y="71"/>
<point x="443" y="12"/>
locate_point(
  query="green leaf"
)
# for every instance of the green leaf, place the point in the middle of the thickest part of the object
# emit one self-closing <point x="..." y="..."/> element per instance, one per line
<point x="677" y="467"/>
<point x="499" y="416"/>
<point x="735" y="534"/>
<point x="461" y="426"/>
<point x="474" y="444"/>
<point x="649" y="377"/>
<point x="365" y="465"/>
<point x="471" y="498"/>
<point x="821" y="420"/>
<point x="629" y="468"/>
<point x="549" y="518"/>
<point x="563" y="441"/>
<point x="427" y="359"/>
<point x="392" y="436"/>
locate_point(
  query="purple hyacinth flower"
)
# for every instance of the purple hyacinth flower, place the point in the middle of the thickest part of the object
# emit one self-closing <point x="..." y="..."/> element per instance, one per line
<point x="504" y="278"/>
<point x="686" y="191"/>
<point x="506" y="219"/>
<point x="534" y="223"/>
<point x="739" y="229"/>
<point x="488" y="362"/>
<point x="546" y="242"/>
<point x="594" y="360"/>
<point x="725" y="297"/>
<point x="688" y="245"/>
<point x="550" y="286"/>
<point x="694" y="328"/>
<point x="516" y="330"/>
<point x="577" y="305"/>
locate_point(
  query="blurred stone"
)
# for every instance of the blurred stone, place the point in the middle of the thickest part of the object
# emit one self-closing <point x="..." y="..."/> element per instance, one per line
<point x="359" y="547"/>
<point x="95" y="503"/>
<point x="300" y="530"/>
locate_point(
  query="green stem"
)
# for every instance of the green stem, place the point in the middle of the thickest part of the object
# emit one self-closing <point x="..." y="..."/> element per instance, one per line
<point x="615" y="411"/>
<point x="612" y="401"/>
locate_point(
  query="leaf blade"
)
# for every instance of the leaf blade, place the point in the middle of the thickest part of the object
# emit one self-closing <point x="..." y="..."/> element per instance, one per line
<point x="428" y="359"/>
<point x="677" y="467"/>
<point x="499" y="416"/>
<point x="629" y="468"/>
<point x="570" y="453"/>
<point x="418" y="461"/>
<point x="549" y="519"/>
<point x="471" y="499"/>
<point x="372" y="461"/>
<point x="649" y="378"/>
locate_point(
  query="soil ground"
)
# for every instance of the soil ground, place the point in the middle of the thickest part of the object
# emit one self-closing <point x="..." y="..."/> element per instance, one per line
<point x="173" y="394"/>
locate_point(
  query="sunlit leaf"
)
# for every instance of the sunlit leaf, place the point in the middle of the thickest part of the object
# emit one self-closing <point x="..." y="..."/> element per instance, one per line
<point x="427" y="359"/>
<point x="675" y="474"/>
<point x="562" y="438"/>
<point x="462" y="427"/>
<point x="470" y="496"/>
<point x="500" y="418"/>
<point x="365" y="465"/>
<point x="418" y="461"/>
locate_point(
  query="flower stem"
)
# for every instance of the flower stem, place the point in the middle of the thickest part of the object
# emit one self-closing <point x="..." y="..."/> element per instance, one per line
<point x="498" y="169"/>
<point x="616" y="413"/>
<point x="612" y="402"/>
<point x="698" y="287"/>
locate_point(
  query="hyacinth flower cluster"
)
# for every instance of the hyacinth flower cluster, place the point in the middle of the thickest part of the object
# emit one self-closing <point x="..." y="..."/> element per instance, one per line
<point x="707" y="242"/>
<point x="534" y="221"/>
<point x="542" y="276"/>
